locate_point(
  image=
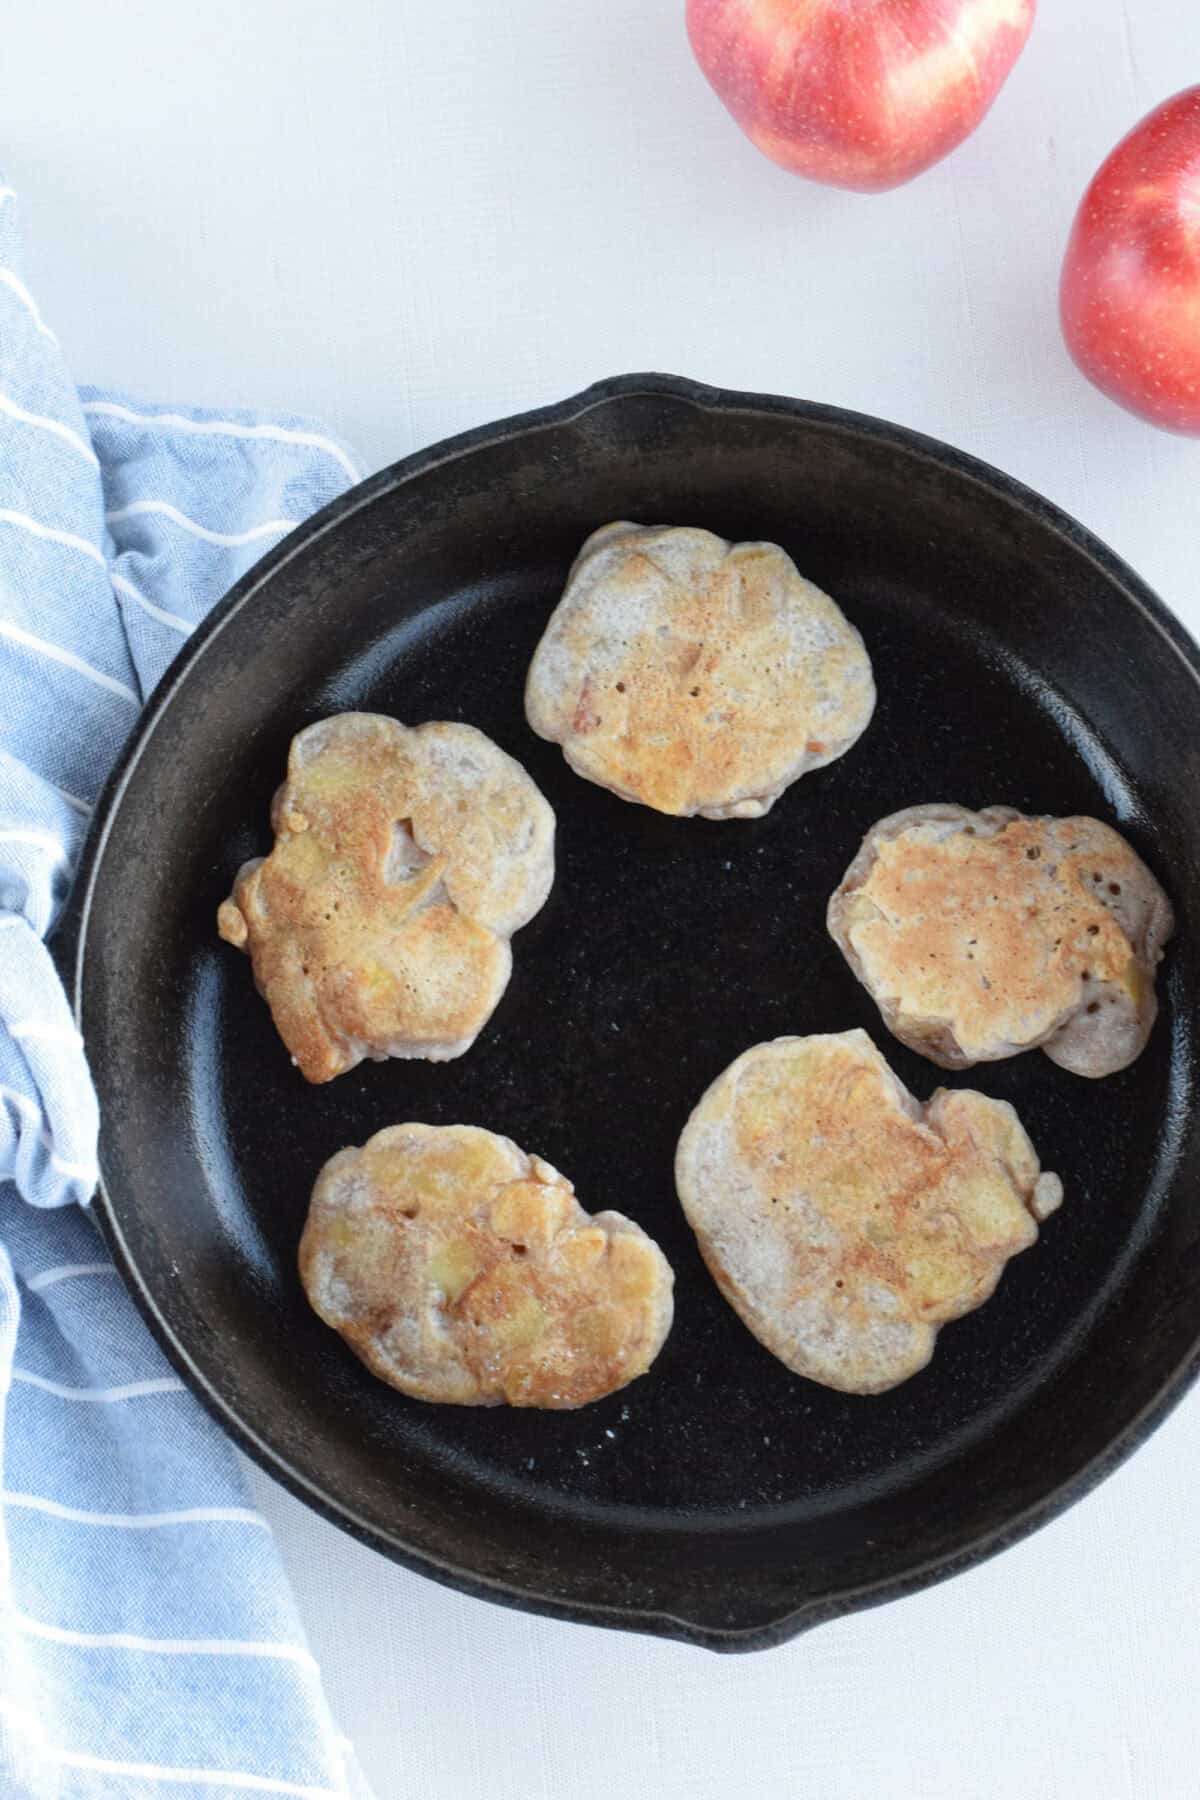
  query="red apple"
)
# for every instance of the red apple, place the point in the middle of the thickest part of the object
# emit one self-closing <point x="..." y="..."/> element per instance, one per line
<point x="1130" y="294"/>
<point x="860" y="93"/>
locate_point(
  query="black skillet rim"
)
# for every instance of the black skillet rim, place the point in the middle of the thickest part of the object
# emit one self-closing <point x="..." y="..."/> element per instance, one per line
<point x="71" y="952"/>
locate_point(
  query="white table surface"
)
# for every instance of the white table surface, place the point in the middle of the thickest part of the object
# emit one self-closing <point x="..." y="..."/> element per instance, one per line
<point x="411" y="218"/>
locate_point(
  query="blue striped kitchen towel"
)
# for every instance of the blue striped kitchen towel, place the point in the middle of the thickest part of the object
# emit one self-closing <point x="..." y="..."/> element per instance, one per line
<point x="148" y="1640"/>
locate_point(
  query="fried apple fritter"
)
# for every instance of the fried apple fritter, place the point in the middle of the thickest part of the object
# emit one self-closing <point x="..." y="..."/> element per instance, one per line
<point x="696" y="676"/>
<point x="982" y="934"/>
<point x="458" y="1269"/>
<point x="843" y="1221"/>
<point x="404" y="860"/>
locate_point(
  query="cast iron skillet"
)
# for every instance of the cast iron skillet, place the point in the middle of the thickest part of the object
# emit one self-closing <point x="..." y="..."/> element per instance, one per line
<point x="720" y="1499"/>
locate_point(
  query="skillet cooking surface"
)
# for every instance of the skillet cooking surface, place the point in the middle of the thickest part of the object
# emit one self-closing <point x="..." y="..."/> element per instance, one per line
<point x="720" y="1498"/>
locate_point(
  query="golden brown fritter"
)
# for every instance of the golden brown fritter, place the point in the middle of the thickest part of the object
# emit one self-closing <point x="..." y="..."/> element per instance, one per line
<point x="843" y="1221"/>
<point x="694" y="675"/>
<point x="459" y="1269"/>
<point x="404" y="860"/>
<point x="980" y="935"/>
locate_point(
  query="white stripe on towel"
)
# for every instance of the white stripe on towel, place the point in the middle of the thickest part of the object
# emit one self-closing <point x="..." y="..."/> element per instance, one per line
<point x="22" y="1102"/>
<point x="72" y="1170"/>
<point x="279" y="434"/>
<point x="149" y="1521"/>
<point x="55" y="426"/>
<point x="140" y="1771"/>
<point x="156" y="612"/>
<point x="132" y="1390"/>
<point x="69" y="539"/>
<point x="80" y="806"/>
<point x="269" y="528"/>
<point x="27" y="301"/>
<point x="66" y="1272"/>
<point x="69" y="660"/>
<point x="153" y="1646"/>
